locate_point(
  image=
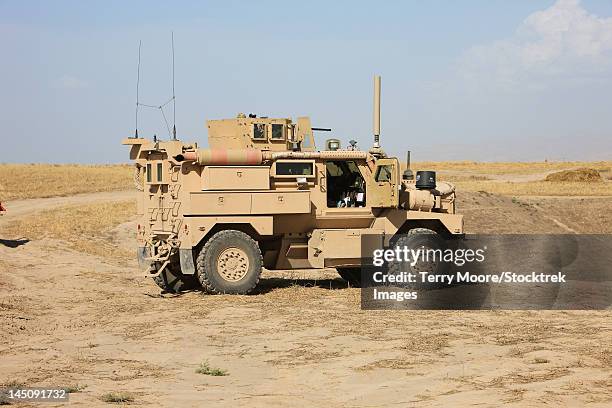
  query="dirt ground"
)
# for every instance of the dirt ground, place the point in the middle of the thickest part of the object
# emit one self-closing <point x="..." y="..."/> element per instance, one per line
<point x="72" y="319"/>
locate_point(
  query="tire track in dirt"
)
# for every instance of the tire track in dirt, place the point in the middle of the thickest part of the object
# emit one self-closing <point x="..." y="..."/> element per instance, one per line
<point x="556" y="221"/>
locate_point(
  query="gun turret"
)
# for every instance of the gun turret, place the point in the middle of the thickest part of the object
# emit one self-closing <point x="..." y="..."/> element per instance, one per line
<point x="261" y="133"/>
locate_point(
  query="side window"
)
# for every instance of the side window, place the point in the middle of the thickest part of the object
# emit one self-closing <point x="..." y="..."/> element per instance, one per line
<point x="148" y="171"/>
<point x="278" y="132"/>
<point x="292" y="169"/>
<point x="383" y="173"/>
<point x="259" y="131"/>
<point x="160" y="172"/>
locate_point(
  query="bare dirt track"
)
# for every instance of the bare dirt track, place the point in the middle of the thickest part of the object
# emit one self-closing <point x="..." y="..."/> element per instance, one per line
<point x="22" y="208"/>
<point x="69" y="318"/>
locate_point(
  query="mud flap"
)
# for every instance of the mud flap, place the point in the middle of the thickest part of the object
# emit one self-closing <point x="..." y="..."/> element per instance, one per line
<point x="143" y="255"/>
<point x="187" y="265"/>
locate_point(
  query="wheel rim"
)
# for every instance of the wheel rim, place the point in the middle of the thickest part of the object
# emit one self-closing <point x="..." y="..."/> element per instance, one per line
<point x="233" y="264"/>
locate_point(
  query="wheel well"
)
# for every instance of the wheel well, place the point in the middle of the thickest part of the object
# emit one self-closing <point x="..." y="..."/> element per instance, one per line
<point x="244" y="227"/>
<point x="433" y="224"/>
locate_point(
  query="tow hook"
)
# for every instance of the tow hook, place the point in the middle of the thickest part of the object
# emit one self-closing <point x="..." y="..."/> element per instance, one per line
<point x="147" y="273"/>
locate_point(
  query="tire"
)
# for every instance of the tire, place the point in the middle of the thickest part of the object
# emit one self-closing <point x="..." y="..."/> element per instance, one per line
<point x="171" y="280"/>
<point x="419" y="238"/>
<point x="416" y="231"/>
<point x="230" y="262"/>
<point x="351" y="275"/>
<point x="413" y="231"/>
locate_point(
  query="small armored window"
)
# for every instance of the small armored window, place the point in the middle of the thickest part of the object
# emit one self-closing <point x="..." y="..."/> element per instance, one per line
<point x="278" y="132"/>
<point x="259" y="131"/>
<point x="148" y="171"/>
<point x="295" y="169"/>
<point x="383" y="173"/>
<point x="160" y="174"/>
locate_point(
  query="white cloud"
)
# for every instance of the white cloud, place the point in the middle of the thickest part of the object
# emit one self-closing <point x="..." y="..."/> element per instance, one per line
<point x="71" y="82"/>
<point x="563" y="41"/>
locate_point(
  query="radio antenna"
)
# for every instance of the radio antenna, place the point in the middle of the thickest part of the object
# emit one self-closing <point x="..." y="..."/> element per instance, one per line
<point x="173" y="95"/>
<point x="376" y="111"/>
<point x="137" y="88"/>
<point x="172" y="133"/>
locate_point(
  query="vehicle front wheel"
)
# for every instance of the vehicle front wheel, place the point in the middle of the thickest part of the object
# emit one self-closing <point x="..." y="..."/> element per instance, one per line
<point x="230" y="262"/>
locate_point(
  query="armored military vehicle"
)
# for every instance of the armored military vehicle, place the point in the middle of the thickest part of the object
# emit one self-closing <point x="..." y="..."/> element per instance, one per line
<point x="262" y="196"/>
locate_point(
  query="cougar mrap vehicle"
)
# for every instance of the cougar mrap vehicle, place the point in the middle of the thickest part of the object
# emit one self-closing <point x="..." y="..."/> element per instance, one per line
<point x="261" y="195"/>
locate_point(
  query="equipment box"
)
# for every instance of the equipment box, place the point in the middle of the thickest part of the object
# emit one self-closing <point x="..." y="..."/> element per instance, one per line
<point x="247" y="203"/>
<point x="281" y="202"/>
<point x="236" y="178"/>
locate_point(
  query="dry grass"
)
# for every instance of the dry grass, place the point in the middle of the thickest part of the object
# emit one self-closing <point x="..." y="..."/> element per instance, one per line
<point x="71" y="389"/>
<point x="521" y="168"/>
<point x="462" y="177"/>
<point x="19" y="181"/>
<point x="117" y="397"/>
<point x="521" y="178"/>
<point x="583" y="174"/>
<point x="537" y="188"/>
<point x="85" y="228"/>
<point x="540" y="360"/>
<point x="13" y="383"/>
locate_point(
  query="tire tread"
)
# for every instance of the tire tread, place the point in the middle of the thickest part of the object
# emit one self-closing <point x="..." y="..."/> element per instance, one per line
<point x="204" y="258"/>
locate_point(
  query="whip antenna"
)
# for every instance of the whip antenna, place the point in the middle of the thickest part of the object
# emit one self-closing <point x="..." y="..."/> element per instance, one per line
<point x="173" y="95"/>
<point x="172" y="133"/>
<point x="137" y="88"/>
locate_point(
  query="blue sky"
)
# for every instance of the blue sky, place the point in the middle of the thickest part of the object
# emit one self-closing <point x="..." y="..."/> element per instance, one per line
<point x="472" y="80"/>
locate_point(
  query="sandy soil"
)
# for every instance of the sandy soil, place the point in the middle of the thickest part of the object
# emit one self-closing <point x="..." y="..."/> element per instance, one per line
<point x="70" y="318"/>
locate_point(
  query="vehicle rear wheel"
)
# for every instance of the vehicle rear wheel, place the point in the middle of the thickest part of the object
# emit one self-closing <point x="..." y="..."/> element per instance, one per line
<point x="230" y="262"/>
<point x="171" y="280"/>
<point x="351" y="275"/>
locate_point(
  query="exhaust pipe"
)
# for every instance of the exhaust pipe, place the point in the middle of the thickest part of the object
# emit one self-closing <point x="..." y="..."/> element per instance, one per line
<point x="222" y="157"/>
<point x="250" y="157"/>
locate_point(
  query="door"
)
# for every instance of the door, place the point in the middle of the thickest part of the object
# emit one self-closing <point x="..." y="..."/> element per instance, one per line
<point x="384" y="191"/>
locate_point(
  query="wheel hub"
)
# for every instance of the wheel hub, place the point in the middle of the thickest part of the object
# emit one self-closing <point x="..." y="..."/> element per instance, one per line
<point x="233" y="264"/>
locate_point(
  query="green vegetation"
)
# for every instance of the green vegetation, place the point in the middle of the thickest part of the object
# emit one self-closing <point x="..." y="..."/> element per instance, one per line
<point x="206" y="369"/>
<point x="117" y="397"/>
<point x="71" y="389"/>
